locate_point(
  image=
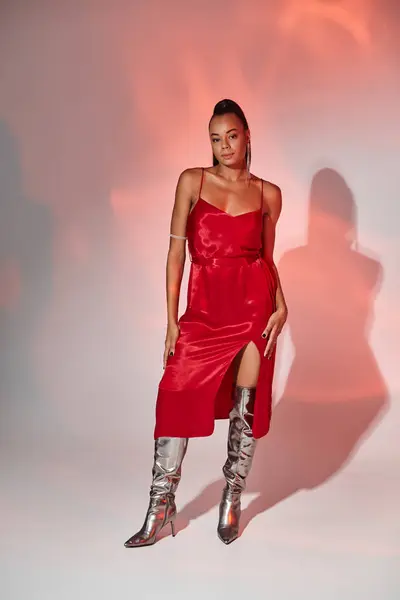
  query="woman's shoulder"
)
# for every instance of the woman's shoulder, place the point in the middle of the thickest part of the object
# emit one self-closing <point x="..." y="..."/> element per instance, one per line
<point x="189" y="181"/>
<point x="271" y="191"/>
<point x="269" y="188"/>
<point x="272" y="197"/>
<point x="191" y="174"/>
<point x="191" y="177"/>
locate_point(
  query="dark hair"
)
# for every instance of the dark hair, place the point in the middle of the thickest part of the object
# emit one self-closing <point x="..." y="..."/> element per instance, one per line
<point x="224" y="107"/>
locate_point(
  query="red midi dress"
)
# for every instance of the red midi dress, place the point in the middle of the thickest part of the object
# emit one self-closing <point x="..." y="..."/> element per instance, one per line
<point x="230" y="297"/>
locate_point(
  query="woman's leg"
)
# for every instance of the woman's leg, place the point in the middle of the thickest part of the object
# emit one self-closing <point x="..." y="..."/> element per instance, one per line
<point x="169" y="453"/>
<point x="247" y="365"/>
<point x="241" y="443"/>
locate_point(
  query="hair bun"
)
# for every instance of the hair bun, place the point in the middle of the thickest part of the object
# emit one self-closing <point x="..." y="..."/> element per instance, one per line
<point x="224" y="105"/>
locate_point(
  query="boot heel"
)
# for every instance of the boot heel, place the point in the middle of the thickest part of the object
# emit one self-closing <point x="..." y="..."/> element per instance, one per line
<point x="173" y="528"/>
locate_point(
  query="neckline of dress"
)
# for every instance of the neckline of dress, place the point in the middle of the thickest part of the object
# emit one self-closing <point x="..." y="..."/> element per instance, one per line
<point x="249" y="212"/>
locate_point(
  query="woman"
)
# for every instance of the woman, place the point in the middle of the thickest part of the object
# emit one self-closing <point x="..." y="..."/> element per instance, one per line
<point x="219" y="356"/>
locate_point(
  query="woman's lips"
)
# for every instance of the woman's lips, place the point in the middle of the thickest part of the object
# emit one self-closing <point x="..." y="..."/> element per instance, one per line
<point x="227" y="155"/>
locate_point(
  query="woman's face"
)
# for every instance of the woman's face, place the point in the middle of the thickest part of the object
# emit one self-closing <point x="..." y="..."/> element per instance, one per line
<point x="228" y="139"/>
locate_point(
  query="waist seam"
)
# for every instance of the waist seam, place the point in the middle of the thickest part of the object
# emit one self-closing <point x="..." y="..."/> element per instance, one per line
<point x="202" y="260"/>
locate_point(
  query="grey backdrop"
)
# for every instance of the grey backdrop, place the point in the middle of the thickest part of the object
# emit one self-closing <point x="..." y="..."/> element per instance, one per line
<point x="102" y="105"/>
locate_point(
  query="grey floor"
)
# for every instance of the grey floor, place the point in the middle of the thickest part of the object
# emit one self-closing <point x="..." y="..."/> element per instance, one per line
<point x="69" y="505"/>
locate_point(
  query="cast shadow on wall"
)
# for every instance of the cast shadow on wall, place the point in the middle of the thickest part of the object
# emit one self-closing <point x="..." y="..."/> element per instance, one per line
<point x="335" y="393"/>
<point x="25" y="288"/>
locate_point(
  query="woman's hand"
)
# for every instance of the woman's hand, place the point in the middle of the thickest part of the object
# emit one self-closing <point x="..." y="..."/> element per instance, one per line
<point x="273" y="329"/>
<point x="172" y="335"/>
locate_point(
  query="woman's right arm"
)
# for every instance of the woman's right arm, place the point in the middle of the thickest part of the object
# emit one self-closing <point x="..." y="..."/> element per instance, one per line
<point x="176" y="257"/>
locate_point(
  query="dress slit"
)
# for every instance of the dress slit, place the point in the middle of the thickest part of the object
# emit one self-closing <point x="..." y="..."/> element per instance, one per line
<point x="228" y="382"/>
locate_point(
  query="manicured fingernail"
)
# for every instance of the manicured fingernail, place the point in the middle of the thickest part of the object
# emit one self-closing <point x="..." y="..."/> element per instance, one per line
<point x="171" y="353"/>
<point x="264" y="335"/>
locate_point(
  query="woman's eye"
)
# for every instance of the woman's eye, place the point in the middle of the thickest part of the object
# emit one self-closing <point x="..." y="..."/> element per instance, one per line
<point x="233" y="136"/>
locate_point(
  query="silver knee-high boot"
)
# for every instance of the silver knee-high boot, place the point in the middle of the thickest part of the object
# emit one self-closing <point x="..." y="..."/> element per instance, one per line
<point x="241" y="448"/>
<point x="169" y="453"/>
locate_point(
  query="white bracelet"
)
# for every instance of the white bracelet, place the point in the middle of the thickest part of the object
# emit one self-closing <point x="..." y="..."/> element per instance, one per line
<point x="178" y="237"/>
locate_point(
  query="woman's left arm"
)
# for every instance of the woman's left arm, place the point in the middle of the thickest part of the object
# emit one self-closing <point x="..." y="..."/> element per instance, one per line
<point x="272" y="207"/>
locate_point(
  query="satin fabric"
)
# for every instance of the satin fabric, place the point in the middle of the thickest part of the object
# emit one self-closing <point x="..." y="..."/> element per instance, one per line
<point x="230" y="297"/>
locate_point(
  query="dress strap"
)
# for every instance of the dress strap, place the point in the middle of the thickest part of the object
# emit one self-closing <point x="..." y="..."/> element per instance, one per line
<point x="201" y="182"/>
<point x="262" y="198"/>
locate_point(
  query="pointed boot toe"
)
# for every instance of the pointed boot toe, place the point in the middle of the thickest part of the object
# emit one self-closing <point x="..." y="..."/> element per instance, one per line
<point x="137" y="541"/>
<point x="227" y="535"/>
